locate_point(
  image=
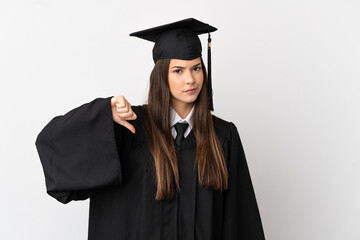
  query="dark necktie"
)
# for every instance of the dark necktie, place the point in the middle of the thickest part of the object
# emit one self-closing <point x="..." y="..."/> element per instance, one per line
<point x="180" y="128"/>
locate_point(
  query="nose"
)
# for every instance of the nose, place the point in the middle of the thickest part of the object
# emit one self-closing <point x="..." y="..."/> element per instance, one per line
<point x="189" y="79"/>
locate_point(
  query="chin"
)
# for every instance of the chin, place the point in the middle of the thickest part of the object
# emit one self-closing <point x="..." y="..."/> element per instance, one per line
<point x="191" y="99"/>
<point x="186" y="100"/>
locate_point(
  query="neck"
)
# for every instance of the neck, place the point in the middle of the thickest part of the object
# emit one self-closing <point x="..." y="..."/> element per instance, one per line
<point x="183" y="110"/>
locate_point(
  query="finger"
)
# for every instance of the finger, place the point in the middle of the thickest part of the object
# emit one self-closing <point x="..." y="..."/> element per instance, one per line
<point x="129" y="126"/>
<point x="121" y="101"/>
<point x="123" y="108"/>
<point x="133" y="117"/>
<point x="129" y="117"/>
<point x="126" y="115"/>
<point x="126" y="108"/>
<point x="113" y="101"/>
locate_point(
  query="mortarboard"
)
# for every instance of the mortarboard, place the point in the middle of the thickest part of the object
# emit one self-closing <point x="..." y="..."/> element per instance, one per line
<point x="179" y="40"/>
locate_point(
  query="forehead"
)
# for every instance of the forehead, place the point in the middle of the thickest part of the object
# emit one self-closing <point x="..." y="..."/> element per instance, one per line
<point x="184" y="63"/>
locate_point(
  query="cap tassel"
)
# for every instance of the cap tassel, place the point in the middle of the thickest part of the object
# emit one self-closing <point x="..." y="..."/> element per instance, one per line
<point x="210" y="92"/>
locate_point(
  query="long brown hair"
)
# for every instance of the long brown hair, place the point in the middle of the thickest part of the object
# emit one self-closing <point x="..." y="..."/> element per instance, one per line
<point x="212" y="169"/>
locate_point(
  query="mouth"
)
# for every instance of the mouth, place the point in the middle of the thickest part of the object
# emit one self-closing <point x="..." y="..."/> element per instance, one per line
<point x="190" y="90"/>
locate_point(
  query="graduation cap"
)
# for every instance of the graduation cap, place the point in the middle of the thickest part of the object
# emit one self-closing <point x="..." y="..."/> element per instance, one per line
<point x="179" y="40"/>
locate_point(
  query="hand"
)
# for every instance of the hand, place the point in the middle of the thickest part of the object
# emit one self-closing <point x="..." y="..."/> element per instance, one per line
<point x="122" y="111"/>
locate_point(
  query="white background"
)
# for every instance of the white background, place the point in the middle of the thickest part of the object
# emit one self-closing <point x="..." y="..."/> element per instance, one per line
<point x="285" y="72"/>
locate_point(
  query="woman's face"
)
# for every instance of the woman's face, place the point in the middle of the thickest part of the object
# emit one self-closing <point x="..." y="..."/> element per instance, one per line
<point x="185" y="81"/>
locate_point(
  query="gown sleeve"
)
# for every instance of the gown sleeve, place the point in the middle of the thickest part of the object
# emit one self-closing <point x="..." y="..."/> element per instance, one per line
<point x="241" y="214"/>
<point x="79" y="151"/>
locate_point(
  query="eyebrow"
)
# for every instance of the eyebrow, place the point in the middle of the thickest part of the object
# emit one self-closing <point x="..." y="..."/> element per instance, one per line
<point x="184" y="67"/>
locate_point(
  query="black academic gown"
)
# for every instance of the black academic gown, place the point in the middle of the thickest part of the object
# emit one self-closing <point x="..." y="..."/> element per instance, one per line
<point x="85" y="154"/>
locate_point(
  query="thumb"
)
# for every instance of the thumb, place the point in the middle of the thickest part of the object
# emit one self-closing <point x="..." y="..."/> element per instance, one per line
<point x="128" y="126"/>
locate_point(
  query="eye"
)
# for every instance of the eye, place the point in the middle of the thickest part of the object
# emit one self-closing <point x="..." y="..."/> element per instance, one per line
<point x="197" y="69"/>
<point x="177" y="71"/>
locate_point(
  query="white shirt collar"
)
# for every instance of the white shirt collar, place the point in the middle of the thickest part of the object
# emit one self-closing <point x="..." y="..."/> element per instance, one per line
<point x="175" y="118"/>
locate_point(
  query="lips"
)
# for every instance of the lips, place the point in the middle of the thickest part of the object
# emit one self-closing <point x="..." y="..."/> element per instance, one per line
<point x="190" y="89"/>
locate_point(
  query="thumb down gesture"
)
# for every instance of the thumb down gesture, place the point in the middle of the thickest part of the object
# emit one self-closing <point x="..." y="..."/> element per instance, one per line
<point x="121" y="111"/>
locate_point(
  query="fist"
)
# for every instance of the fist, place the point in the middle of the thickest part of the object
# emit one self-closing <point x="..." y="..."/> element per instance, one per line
<point x="121" y="111"/>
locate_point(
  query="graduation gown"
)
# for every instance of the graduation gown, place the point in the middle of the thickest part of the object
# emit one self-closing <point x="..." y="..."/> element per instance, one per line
<point x="85" y="154"/>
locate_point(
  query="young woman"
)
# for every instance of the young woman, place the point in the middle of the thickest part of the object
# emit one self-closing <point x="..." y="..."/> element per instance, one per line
<point x="168" y="169"/>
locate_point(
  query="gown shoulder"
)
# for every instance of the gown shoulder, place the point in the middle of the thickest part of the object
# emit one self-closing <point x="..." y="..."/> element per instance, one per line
<point x="223" y="129"/>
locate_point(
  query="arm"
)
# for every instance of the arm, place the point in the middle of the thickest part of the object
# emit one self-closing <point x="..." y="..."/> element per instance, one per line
<point x="79" y="151"/>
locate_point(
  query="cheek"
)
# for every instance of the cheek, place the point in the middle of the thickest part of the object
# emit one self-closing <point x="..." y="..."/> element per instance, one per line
<point x="174" y="84"/>
<point x="201" y="80"/>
